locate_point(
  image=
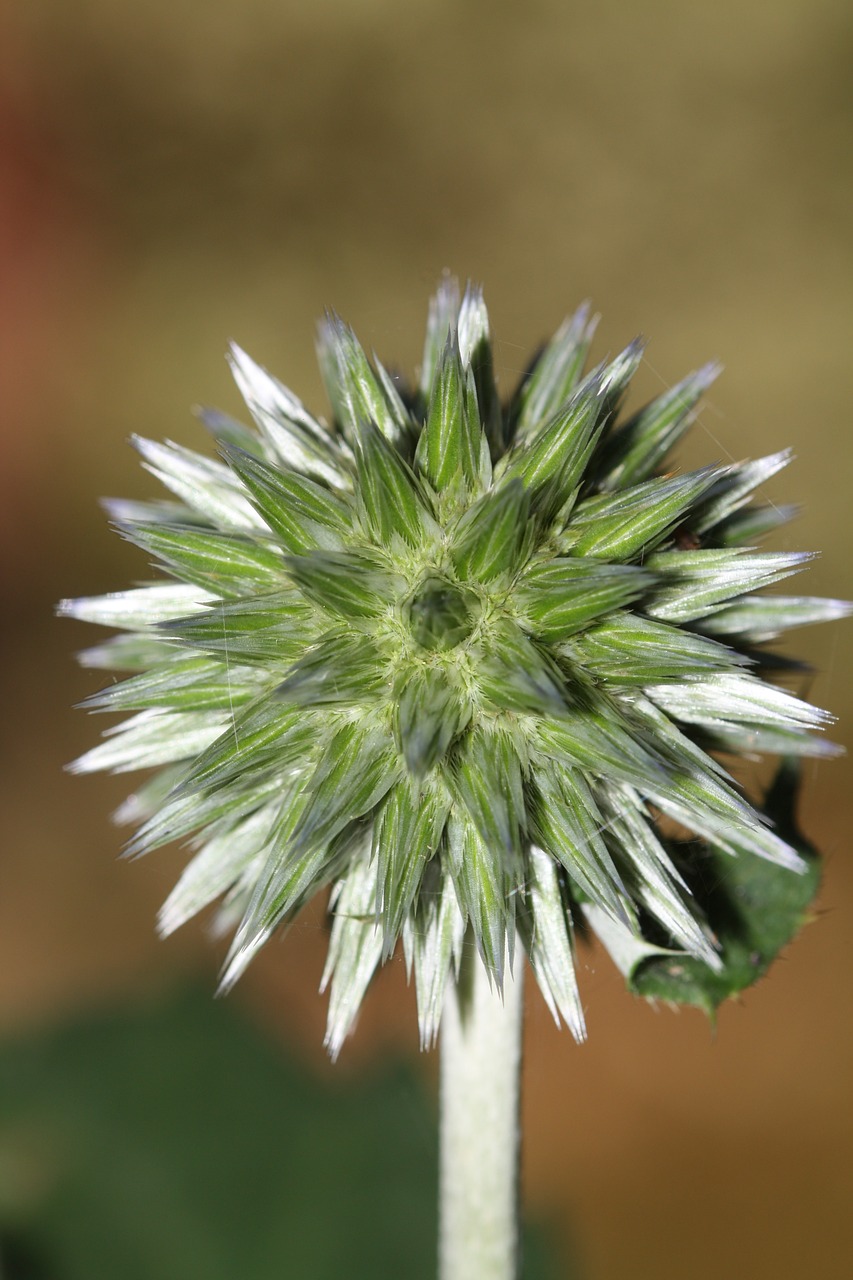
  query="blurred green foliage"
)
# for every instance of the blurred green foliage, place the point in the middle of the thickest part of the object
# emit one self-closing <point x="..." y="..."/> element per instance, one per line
<point x="754" y="907"/>
<point x="176" y="1142"/>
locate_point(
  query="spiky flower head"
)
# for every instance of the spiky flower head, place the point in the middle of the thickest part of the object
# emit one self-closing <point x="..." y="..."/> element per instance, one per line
<point x="465" y="661"/>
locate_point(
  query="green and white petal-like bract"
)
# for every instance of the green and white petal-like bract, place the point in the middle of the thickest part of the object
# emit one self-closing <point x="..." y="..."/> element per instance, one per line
<point x="464" y="662"/>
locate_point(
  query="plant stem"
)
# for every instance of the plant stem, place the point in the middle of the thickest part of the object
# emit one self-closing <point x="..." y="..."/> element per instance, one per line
<point x="480" y="1069"/>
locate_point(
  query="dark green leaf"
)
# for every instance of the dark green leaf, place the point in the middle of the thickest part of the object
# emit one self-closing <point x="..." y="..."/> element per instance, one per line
<point x="753" y="907"/>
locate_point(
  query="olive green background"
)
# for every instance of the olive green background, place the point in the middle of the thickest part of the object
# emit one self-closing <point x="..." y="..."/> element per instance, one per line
<point x="176" y="174"/>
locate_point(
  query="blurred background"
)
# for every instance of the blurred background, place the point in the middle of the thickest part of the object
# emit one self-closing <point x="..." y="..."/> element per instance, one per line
<point x="176" y="174"/>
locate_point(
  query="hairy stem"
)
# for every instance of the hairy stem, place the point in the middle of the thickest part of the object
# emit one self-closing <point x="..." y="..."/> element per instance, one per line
<point x="480" y="1070"/>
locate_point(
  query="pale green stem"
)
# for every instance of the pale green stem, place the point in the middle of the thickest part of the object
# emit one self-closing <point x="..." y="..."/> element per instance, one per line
<point x="480" y="1070"/>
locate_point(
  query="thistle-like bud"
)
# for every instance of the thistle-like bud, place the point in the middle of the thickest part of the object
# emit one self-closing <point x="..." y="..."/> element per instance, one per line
<point x="464" y="663"/>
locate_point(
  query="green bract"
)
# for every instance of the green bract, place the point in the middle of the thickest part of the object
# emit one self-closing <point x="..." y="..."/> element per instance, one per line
<point x="463" y="663"/>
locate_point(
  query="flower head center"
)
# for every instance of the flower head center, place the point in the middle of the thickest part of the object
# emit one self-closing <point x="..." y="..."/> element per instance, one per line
<point x="441" y="615"/>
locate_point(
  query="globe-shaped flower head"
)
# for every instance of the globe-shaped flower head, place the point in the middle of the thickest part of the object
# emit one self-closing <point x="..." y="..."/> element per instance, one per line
<point x="463" y="661"/>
